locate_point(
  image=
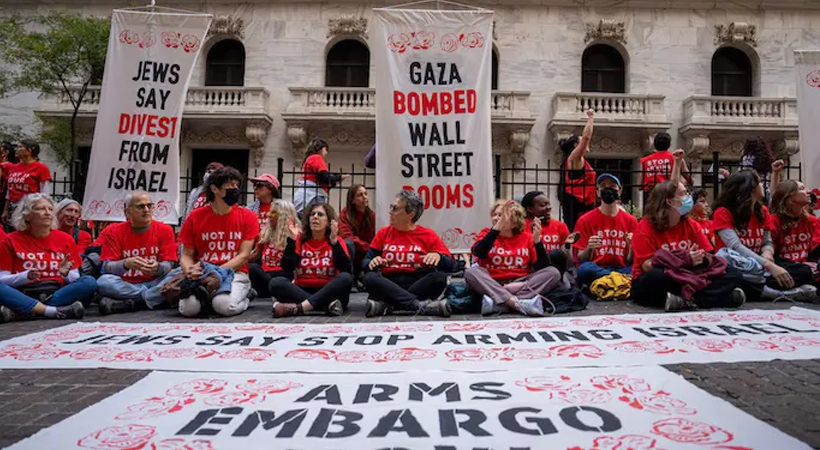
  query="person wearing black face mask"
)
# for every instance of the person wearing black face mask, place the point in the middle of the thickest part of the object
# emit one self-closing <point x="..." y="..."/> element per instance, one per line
<point x="218" y="237"/>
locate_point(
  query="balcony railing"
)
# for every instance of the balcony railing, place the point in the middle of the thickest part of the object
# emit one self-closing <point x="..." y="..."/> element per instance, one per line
<point x="572" y="107"/>
<point x="716" y="112"/>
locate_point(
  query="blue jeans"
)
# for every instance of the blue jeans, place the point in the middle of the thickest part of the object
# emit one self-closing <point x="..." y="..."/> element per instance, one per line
<point x="589" y="272"/>
<point x="82" y="289"/>
<point x="113" y="286"/>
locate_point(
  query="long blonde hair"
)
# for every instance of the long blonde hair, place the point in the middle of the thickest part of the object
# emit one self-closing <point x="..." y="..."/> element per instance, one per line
<point x="279" y="234"/>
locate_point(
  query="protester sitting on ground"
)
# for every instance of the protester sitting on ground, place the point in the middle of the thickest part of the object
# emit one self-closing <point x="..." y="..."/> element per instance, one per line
<point x="701" y="213"/>
<point x="577" y="184"/>
<point x="38" y="266"/>
<point x="795" y="231"/>
<point x="28" y="176"/>
<point x="316" y="179"/>
<point x="270" y="251"/>
<point x="673" y="266"/>
<point x="322" y="279"/>
<point x="6" y="148"/>
<point x="554" y="233"/>
<point x="265" y="189"/>
<point x="68" y="212"/>
<point x="136" y="257"/>
<point x="407" y="263"/>
<point x="357" y="225"/>
<point x="742" y="224"/>
<point x="197" y="198"/>
<point x="604" y="246"/>
<point x="221" y="235"/>
<point x="513" y="270"/>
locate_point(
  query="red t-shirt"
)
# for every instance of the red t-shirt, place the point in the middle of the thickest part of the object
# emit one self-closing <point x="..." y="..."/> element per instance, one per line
<point x="705" y="226"/>
<point x="6" y="166"/>
<point x="200" y="201"/>
<point x="21" y="251"/>
<point x="511" y="257"/>
<point x="216" y="239"/>
<point x="553" y="234"/>
<point x="647" y="239"/>
<point x="583" y="189"/>
<point x="404" y="250"/>
<point x="25" y="179"/>
<point x="657" y="168"/>
<point x="2" y="236"/>
<point x="262" y="215"/>
<point x="751" y="237"/>
<point x="612" y="230"/>
<point x="83" y="239"/>
<point x="363" y="238"/>
<point x="795" y="240"/>
<point x="271" y="260"/>
<point x="316" y="266"/>
<point x="155" y="244"/>
<point x="314" y="164"/>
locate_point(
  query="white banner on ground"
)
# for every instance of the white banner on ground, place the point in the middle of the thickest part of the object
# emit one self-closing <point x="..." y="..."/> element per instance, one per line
<point x="628" y="340"/>
<point x="136" y="137"/>
<point x="807" y="64"/>
<point x="433" y="130"/>
<point x="576" y="409"/>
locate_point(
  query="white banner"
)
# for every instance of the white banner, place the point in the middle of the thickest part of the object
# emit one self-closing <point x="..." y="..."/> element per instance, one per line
<point x="628" y="340"/>
<point x="136" y="136"/>
<point x="807" y="64"/>
<point x="433" y="129"/>
<point x="576" y="409"/>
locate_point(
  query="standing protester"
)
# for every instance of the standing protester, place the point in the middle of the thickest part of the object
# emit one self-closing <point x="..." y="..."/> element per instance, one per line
<point x="357" y="225"/>
<point x="407" y="263"/>
<point x="136" y="256"/>
<point x="28" y="176"/>
<point x="68" y="214"/>
<point x="757" y="155"/>
<point x="322" y="280"/>
<point x="554" y="233"/>
<point x="657" y="167"/>
<point x="795" y="231"/>
<point x="577" y="184"/>
<point x="38" y="266"/>
<point x="316" y="179"/>
<point x="197" y="198"/>
<point x="265" y="189"/>
<point x="270" y="251"/>
<point x="221" y="234"/>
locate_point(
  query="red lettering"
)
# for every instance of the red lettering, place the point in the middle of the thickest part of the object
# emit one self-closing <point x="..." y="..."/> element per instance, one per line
<point x="453" y="195"/>
<point x="469" y="201"/>
<point x="446" y="102"/>
<point x="398" y="102"/>
<point x="459" y="101"/>
<point x="472" y="100"/>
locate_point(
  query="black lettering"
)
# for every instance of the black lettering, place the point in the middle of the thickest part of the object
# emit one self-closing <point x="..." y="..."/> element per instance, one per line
<point x="209" y="416"/>
<point x="172" y="340"/>
<point x="331" y="394"/>
<point x="475" y="338"/>
<point x="290" y="422"/>
<point x="609" y="422"/>
<point x="733" y="331"/>
<point x="321" y="426"/>
<point x="644" y="332"/>
<point x="449" y="425"/>
<point x="485" y="387"/>
<point x="761" y="328"/>
<point x="365" y="392"/>
<point x="313" y="341"/>
<point x="546" y="336"/>
<point x="521" y="337"/>
<point x="96" y="336"/>
<point x="446" y="338"/>
<point x="407" y="163"/>
<point x="214" y="340"/>
<point x="605" y="335"/>
<point x="417" y="390"/>
<point x="509" y="420"/>
<point x="368" y="340"/>
<point x="793" y="330"/>
<point x="700" y="331"/>
<point x="566" y="336"/>
<point x="418" y="133"/>
<point x="395" y="338"/>
<point x="340" y="340"/>
<point x="668" y="332"/>
<point x="268" y="340"/>
<point x="409" y="425"/>
<point x="242" y="342"/>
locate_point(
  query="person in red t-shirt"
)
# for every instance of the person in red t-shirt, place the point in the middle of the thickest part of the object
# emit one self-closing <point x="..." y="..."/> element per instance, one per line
<point x="136" y="257"/>
<point x="36" y="261"/>
<point x="5" y="165"/>
<point x="269" y="254"/>
<point x="265" y="189"/>
<point x="220" y="236"/>
<point x="407" y="263"/>
<point x="197" y="198"/>
<point x="321" y="264"/>
<point x="357" y="225"/>
<point x="29" y="176"/>
<point x="554" y="233"/>
<point x="665" y="227"/>
<point x="604" y="246"/>
<point x="700" y="213"/>
<point x="316" y="179"/>
<point x="577" y="184"/>
<point x="68" y="214"/>
<point x="742" y="224"/>
<point x="795" y="231"/>
<point x="513" y="270"/>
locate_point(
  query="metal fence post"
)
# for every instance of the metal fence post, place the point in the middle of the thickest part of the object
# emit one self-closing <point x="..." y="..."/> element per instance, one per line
<point x="497" y="176"/>
<point x="715" y="175"/>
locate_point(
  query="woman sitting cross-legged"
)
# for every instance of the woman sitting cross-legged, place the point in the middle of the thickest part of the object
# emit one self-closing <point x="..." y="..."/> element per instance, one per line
<point x="512" y="271"/>
<point x="321" y="263"/>
<point x="795" y="231"/>
<point x="270" y="250"/>
<point x="413" y="262"/>
<point x="672" y="265"/>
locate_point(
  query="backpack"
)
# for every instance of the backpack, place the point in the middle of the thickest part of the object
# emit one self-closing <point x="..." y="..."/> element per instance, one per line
<point x="461" y="299"/>
<point x="566" y="300"/>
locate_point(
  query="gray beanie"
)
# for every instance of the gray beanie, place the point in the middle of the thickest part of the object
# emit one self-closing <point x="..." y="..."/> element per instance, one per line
<point x="63" y="203"/>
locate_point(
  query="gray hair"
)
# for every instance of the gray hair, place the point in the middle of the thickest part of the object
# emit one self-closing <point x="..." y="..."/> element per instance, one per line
<point x="24" y="208"/>
<point x="129" y="199"/>
<point x="64" y="204"/>
<point x="412" y="203"/>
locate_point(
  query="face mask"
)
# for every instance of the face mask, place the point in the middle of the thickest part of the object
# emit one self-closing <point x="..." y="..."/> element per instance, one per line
<point x="686" y="204"/>
<point x="609" y="196"/>
<point x="231" y="196"/>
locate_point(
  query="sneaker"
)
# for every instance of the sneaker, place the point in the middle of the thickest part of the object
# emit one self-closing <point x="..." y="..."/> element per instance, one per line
<point x="285" y="310"/>
<point x="805" y="293"/>
<point x="252" y="294"/>
<point x="377" y="308"/>
<point x="75" y="310"/>
<point x="111" y="306"/>
<point x="335" y="308"/>
<point x="674" y="303"/>
<point x="6" y="314"/>
<point x="532" y="307"/>
<point x="738" y="297"/>
<point x="434" y="308"/>
<point x="490" y="307"/>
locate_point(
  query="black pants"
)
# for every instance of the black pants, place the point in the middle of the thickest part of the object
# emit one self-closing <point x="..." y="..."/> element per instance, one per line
<point x="650" y="289"/>
<point x="572" y="209"/>
<point x="800" y="273"/>
<point x="558" y="259"/>
<point x="403" y="291"/>
<point x="260" y="280"/>
<point x="336" y="289"/>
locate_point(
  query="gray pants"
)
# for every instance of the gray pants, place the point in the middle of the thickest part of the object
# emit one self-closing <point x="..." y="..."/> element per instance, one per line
<point x="536" y="283"/>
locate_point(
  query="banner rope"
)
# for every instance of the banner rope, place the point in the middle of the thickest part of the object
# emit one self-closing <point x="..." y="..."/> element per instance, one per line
<point x="438" y="5"/>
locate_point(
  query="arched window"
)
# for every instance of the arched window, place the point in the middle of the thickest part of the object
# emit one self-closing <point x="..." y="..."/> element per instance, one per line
<point x="226" y="64"/>
<point x="495" y="71"/>
<point x="348" y="65"/>
<point x="731" y="73"/>
<point x="603" y="70"/>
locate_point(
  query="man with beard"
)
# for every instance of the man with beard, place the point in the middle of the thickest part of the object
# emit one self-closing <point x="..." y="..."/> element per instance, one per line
<point x="68" y="214"/>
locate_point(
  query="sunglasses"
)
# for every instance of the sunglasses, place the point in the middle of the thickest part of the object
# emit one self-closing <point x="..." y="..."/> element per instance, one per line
<point x="143" y="206"/>
<point x="395" y="207"/>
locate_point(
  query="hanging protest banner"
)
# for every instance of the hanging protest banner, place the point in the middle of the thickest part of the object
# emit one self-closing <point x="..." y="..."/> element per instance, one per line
<point x="575" y="409"/>
<point x="433" y="130"/>
<point x="807" y="64"/>
<point x="136" y="136"/>
<point x="628" y="340"/>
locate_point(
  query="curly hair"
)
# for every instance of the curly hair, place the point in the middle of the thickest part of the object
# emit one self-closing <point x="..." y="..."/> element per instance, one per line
<point x="736" y="196"/>
<point x="329" y="211"/>
<point x="758" y="151"/>
<point x="316" y="146"/>
<point x="278" y="235"/>
<point x="218" y="178"/>
<point x="518" y="216"/>
<point x="656" y="208"/>
<point x="24" y="208"/>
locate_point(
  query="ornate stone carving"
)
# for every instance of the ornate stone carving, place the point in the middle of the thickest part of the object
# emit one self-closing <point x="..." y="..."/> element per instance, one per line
<point x="606" y="30"/>
<point x="227" y="26"/>
<point x="608" y="145"/>
<point x="347" y="25"/>
<point x="697" y="146"/>
<point x="192" y="136"/>
<point x="501" y="141"/>
<point x="731" y="149"/>
<point x="736" y="32"/>
<point x="256" y="134"/>
<point x="298" y="136"/>
<point x="518" y="161"/>
<point x="786" y="146"/>
<point x="519" y="140"/>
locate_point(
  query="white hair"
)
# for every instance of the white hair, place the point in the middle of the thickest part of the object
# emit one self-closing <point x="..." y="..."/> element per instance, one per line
<point x="129" y="199"/>
<point x="24" y="208"/>
<point x="64" y="203"/>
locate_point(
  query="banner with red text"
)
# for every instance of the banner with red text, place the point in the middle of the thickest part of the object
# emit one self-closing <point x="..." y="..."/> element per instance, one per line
<point x="640" y="408"/>
<point x="433" y="129"/>
<point x="807" y="64"/>
<point x="136" y="136"/>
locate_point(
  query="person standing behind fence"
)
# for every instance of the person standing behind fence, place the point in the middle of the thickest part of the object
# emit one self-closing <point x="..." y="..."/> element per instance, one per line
<point x="265" y="189"/>
<point x="270" y="251"/>
<point x="577" y="184"/>
<point x="554" y="233"/>
<point x="68" y="213"/>
<point x="657" y="166"/>
<point x="357" y="225"/>
<point x="29" y="176"/>
<point x="316" y="179"/>
<point x="197" y="198"/>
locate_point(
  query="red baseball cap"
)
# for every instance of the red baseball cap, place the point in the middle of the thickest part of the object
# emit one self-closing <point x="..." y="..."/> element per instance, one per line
<point x="267" y="178"/>
<point x="214" y="166"/>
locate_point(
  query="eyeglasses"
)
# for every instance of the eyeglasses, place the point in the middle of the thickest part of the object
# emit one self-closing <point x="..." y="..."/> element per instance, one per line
<point x="317" y="214"/>
<point x="395" y="207"/>
<point x="143" y="206"/>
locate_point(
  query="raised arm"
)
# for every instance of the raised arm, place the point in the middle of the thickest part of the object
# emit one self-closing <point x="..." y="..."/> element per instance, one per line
<point x="575" y="161"/>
